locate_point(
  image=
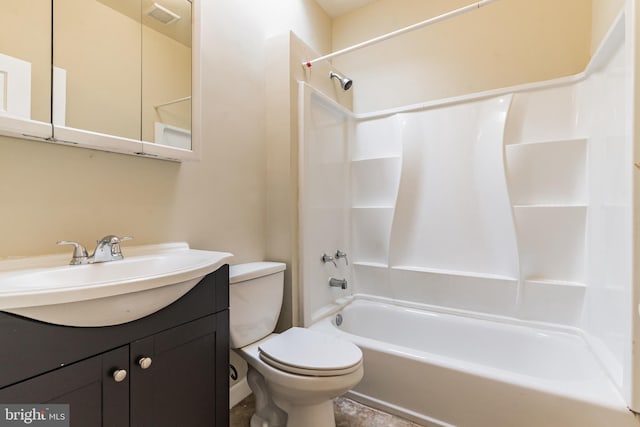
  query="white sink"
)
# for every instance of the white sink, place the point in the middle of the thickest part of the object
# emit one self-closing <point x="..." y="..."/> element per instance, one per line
<point x="149" y="278"/>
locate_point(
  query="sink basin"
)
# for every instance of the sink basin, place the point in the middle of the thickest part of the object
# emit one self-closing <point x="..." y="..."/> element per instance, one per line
<point x="148" y="279"/>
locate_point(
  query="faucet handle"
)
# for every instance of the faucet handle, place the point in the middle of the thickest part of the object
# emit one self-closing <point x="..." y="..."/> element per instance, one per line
<point x="115" y="240"/>
<point x="112" y="251"/>
<point x="115" y="244"/>
<point x="80" y="255"/>
<point x="340" y="254"/>
<point x="112" y="239"/>
<point x="328" y="258"/>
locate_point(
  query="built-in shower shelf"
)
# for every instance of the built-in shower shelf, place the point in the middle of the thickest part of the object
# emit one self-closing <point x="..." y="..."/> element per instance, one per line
<point x="523" y="144"/>
<point x="378" y="158"/>
<point x="547" y="173"/>
<point x="551" y="240"/>
<point x="370" y="233"/>
<point x="370" y="264"/>
<point x="554" y="282"/>
<point x="446" y="272"/>
<point x="551" y="206"/>
<point x="547" y="181"/>
<point x="373" y="207"/>
<point x="376" y="138"/>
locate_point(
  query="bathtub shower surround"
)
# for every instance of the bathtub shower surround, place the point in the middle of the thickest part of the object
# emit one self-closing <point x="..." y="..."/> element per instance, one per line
<point x="506" y="215"/>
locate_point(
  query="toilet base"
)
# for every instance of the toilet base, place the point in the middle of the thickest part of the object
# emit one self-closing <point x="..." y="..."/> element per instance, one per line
<point x="318" y="415"/>
<point x="272" y="412"/>
<point x="267" y="414"/>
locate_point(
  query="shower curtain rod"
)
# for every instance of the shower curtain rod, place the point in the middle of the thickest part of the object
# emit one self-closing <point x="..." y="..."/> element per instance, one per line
<point x="392" y="34"/>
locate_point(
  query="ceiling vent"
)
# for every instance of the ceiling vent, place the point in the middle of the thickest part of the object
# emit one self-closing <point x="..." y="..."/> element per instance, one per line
<point x="162" y="14"/>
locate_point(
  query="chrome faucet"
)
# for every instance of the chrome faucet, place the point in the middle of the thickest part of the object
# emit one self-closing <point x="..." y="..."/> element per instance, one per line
<point x="107" y="249"/>
<point x="338" y="283"/>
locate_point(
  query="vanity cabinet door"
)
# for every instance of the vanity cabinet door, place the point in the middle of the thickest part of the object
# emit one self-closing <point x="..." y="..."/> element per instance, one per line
<point x="83" y="386"/>
<point x="181" y="385"/>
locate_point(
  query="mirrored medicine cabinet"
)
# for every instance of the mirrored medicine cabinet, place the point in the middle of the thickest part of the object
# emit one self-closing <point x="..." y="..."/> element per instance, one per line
<point x="111" y="75"/>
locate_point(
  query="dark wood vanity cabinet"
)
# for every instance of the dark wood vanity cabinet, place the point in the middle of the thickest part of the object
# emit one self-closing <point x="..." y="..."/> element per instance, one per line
<point x="176" y="362"/>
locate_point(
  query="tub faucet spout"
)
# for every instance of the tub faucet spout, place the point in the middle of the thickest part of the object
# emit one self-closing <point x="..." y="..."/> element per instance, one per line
<point x="338" y="283"/>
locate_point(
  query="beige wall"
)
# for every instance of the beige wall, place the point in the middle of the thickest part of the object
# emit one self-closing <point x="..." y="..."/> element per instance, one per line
<point x="51" y="192"/>
<point x="505" y="43"/>
<point x="604" y="12"/>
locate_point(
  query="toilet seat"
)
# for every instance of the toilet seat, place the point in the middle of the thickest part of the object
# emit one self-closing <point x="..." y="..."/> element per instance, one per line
<point x="306" y="352"/>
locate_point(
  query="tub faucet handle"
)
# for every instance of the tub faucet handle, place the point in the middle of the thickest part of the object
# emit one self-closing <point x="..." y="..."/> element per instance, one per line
<point x="340" y="254"/>
<point x="328" y="258"/>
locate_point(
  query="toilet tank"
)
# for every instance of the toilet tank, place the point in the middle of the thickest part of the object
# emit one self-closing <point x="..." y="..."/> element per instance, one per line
<point x="255" y="300"/>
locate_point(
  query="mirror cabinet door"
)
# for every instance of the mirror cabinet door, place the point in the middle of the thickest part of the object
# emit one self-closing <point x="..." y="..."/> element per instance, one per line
<point x="166" y="72"/>
<point x="121" y="78"/>
<point x="25" y="68"/>
<point x="96" y="50"/>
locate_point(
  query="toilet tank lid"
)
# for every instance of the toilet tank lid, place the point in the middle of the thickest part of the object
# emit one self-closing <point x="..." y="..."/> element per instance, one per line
<point x="242" y="272"/>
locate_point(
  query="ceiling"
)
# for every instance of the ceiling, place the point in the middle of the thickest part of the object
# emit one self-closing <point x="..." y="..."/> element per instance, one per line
<point x="338" y="7"/>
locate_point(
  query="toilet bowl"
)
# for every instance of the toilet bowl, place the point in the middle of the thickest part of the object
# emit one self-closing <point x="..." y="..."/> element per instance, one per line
<point x="294" y="375"/>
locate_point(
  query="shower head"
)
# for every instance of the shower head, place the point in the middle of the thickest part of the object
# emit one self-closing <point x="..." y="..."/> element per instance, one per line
<point x="345" y="82"/>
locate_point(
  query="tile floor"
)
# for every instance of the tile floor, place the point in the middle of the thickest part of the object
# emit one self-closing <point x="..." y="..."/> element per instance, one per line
<point x="348" y="414"/>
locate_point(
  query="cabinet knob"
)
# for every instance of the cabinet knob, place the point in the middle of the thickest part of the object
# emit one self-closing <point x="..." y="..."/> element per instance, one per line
<point x="144" y="362"/>
<point x="119" y="375"/>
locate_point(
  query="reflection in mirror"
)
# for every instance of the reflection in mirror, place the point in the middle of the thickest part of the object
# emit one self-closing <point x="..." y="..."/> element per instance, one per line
<point x="104" y="84"/>
<point x="25" y="60"/>
<point x="166" y="72"/>
<point x="97" y="48"/>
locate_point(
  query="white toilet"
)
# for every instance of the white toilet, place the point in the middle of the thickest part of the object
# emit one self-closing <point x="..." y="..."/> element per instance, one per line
<point x="294" y="375"/>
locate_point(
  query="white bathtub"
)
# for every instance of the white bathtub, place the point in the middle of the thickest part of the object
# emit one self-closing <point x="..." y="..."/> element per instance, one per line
<point x="442" y="369"/>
